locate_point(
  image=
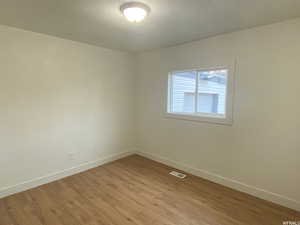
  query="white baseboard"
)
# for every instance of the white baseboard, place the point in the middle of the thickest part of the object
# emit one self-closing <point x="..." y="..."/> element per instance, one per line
<point x="59" y="175"/>
<point x="257" y="192"/>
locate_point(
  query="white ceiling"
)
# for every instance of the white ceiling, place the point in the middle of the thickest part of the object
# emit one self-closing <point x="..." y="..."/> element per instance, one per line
<point x="171" y="22"/>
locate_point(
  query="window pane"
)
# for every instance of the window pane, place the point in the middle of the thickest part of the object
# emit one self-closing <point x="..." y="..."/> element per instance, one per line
<point x="183" y="92"/>
<point x="212" y="92"/>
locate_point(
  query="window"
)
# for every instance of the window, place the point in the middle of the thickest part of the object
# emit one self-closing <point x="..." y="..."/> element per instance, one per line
<point x="202" y="95"/>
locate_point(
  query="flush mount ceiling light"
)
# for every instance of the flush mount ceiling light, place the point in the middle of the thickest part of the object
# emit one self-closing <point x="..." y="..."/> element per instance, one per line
<point x="135" y="11"/>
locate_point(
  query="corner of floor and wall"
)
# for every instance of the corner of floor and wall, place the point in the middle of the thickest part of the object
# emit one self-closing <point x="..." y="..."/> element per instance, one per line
<point x="68" y="106"/>
<point x="259" y="154"/>
<point x="65" y="107"/>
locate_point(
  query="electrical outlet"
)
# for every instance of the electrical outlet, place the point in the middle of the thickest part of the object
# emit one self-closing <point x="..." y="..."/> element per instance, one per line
<point x="71" y="155"/>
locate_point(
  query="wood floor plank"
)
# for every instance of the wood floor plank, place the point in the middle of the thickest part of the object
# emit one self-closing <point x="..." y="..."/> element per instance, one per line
<point x="137" y="191"/>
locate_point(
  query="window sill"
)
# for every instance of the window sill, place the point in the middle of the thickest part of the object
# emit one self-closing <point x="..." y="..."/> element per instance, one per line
<point x="200" y="118"/>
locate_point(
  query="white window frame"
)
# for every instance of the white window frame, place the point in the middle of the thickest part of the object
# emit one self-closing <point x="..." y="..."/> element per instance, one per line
<point x="226" y="119"/>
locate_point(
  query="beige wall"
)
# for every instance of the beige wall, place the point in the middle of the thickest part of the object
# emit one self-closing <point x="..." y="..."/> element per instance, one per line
<point x="262" y="148"/>
<point x="59" y="97"/>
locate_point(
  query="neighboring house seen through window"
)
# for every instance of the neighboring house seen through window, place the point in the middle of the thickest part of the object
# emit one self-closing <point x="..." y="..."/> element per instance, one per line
<point x="199" y="93"/>
<point x="207" y="102"/>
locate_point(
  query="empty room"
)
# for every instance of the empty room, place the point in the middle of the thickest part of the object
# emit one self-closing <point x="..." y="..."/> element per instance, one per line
<point x="151" y="112"/>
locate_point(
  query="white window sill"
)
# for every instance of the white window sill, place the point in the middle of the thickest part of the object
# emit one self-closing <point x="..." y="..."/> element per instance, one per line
<point x="206" y="118"/>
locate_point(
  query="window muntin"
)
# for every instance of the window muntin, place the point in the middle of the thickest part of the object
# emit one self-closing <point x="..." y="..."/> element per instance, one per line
<point x="211" y="88"/>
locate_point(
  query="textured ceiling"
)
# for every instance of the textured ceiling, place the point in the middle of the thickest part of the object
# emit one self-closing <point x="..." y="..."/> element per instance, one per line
<point x="171" y="22"/>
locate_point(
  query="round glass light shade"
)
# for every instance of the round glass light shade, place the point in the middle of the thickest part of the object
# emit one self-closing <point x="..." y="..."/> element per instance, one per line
<point x="135" y="11"/>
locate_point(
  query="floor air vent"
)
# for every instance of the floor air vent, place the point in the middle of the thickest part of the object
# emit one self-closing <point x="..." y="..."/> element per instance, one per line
<point x="179" y="175"/>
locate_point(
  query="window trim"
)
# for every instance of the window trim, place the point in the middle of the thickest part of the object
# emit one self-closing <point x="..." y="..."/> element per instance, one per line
<point x="226" y="119"/>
